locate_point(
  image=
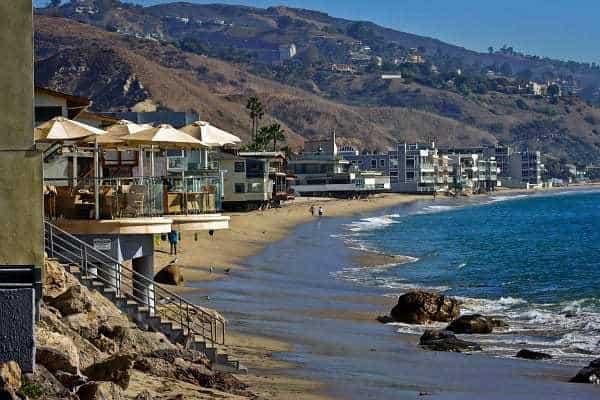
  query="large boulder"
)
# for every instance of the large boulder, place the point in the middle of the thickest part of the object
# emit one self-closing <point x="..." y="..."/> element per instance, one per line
<point x="178" y="369"/>
<point x="116" y="368"/>
<point x="170" y="275"/>
<point x="74" y="301"/>
<point x="56" y="279"/>
<point x="100" y="391"/>
<point x="418" y="307"/>
<point x="470" y="324"/>
<point x="589" y="374"/>
<point x="533" y="355"/>
<point x="56" y="352"/>
<point x="440" y="340"/>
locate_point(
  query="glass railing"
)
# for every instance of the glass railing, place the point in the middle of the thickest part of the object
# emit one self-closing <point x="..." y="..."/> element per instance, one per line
<point x="118" y="198"/>
<point x="193" y="194"/>
<point x="132" y="197"/>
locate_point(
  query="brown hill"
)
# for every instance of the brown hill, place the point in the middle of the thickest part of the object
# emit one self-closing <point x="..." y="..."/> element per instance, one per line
<point x="120" y="71"/>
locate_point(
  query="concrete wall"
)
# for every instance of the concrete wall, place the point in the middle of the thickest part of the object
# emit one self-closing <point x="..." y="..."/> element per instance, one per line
<point x="21" y="201"/>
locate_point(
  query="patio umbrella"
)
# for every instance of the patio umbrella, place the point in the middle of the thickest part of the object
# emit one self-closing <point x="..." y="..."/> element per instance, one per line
<point x="60" y="129"/>
<point x="124" y="128"/>
<point x="210" y="135"/>
<point x="164" y="136"/>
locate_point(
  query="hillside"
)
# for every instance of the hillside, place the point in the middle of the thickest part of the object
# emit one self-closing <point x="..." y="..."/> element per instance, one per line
<point x="123" y="56"/>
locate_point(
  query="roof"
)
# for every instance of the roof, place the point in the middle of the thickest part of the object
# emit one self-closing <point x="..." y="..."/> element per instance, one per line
<point x="75" y="104"/>
<point x="262" y="154"/>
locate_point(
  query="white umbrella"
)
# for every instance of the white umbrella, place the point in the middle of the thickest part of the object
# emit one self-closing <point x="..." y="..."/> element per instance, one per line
<point x="164" y="135"/>
<point x="60" y="129"/>
<point x="210" y="135"/>
<point x="124" y="128"/>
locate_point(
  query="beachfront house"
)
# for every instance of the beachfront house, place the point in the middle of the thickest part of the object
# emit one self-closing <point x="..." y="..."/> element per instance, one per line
<point x="320" y="170"/>
<point x="246" y="182"/>
<point x="281" y="180"/>
<point x="115" y="190"/>
<point x="419" y="168"/>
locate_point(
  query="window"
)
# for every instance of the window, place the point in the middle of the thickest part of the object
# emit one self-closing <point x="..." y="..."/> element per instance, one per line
<point x="239" y="166"/>
<point x="240" y="188"/>
<point x="410" y="163"/>
<point x="373" y="163"/>
<point x="255" y="168"/>
<point x="410" y="176"/>
<point x="255" y="187"/>
<point x="382" y="162"/>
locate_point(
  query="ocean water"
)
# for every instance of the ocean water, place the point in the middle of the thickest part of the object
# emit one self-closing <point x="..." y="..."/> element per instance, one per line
<point x="532" y="260"/>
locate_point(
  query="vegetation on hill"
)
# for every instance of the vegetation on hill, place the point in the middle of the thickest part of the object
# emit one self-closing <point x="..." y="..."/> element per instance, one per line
<point x="212" y="58"/>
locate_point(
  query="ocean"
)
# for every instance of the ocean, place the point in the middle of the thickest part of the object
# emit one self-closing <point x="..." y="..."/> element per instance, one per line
<point x="532" y="260"/>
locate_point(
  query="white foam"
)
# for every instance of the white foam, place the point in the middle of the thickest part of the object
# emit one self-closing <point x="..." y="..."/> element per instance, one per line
<point x="373" y="223"/>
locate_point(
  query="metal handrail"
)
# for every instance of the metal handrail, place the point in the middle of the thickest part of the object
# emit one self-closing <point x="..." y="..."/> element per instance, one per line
<point x="64" y="246"/>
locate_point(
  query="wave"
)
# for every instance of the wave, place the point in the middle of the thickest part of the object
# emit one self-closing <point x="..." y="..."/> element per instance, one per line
<point x="373" y="223"/>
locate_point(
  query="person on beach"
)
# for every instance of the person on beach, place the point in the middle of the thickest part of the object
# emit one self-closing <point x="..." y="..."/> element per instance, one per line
<point x="173" y="239"/>
<point x="312" y="210"/>
<point x="321" y="211"/>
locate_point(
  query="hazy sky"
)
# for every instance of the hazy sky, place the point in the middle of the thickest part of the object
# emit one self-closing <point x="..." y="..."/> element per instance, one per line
<point x="565" y="29"/>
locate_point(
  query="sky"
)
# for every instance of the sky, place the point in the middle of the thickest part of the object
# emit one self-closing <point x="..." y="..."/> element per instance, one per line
<point x="563" y="29"/>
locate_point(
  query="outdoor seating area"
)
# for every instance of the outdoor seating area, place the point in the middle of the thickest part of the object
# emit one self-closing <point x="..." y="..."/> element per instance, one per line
<point x="88" y="194"/>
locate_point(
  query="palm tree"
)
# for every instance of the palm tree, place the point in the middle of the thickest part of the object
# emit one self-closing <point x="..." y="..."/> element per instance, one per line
<point x="273" y="133"/>
<point x="256" y="110"/>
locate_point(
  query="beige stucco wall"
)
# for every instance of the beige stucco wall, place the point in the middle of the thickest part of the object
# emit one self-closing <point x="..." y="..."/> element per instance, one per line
<point x="21" y="201"/>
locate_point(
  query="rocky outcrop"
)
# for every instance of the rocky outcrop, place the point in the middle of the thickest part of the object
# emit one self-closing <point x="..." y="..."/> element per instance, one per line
<point x="100" y="391"/>
<point x="170" y="275"/>
<point x="56" y="352"/>
<point x="116" y="368"/>
<point x="418" y="307"/>
<point x="74" y="301"/>
<point x="471" y="324"/>
<point x="533" y="355"/>
<point x="589" y="374"/>
<point x="440" y="340"/>
<point x="56" y="279"/>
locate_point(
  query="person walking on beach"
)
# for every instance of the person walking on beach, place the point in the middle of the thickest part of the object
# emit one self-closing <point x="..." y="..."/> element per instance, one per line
<point x="321" y="211"/>
<point x="173" y="239"/>
<point x="312" y="210"/>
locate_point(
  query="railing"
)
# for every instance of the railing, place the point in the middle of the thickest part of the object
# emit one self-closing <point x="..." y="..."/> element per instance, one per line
<point x="134" y="197"/>
<point x="132" y="285"/>
<point x="197" y="194"/>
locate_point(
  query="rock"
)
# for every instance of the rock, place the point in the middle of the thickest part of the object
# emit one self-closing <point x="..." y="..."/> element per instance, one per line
<point x="134" y="340"/>
<point x="10" y="376"/>
<point x="46" y="382"/>
<point x="469" y="324"/>
<point x="56" y="279"/>
<point x="179" y="369"/>
<point x="439" y="340"/>
<point x="589" y="374"/>
<point x="100" y="391"/>
<point x="145" y="395"/>
<point x="385" y="319"/>
<point x="56" y="352"/>
<point x="533" y="355"/>
<point x="70" y="381"/>
<point x="170" y="275"/>
<point x="498" y="323"/>
<point x="170" y="355"/>
<point x="116" y="368"/>
<point x="417" y="307"/>
<point x="74" y="301"/>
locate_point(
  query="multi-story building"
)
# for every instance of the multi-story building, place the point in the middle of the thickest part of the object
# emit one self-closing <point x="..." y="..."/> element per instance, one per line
<point x="418" y="168"/>
<point x="320" y="170"/>
<point x="526" y="168"/>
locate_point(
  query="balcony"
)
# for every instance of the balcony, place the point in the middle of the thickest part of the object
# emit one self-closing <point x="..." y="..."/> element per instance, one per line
<point x="136" y="205"/>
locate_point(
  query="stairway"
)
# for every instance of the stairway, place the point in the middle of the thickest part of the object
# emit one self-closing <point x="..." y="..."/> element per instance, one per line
<point x="179" y="320"/>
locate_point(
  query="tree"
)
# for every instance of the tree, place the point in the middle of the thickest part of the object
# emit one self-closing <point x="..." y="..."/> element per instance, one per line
<point x="272" y="133"/>
<point x="256" y="111"/>
<point x="491" y="50"/>
<point x="553" y="93"/>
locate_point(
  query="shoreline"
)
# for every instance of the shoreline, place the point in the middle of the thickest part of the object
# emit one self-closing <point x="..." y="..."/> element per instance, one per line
<point x="254" y="231"/>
